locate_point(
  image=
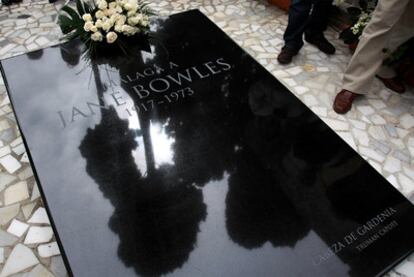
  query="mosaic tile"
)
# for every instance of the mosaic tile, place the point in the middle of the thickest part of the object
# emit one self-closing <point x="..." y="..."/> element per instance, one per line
<point x="19" y="259"/>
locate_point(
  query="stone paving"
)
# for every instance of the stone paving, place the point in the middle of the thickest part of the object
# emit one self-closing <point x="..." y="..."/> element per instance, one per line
<point x="380" y="127"/>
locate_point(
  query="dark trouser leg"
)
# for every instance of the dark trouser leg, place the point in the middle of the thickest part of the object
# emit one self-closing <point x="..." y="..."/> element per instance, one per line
<point x="298" y="18"/>
<point x="318" y="19"/>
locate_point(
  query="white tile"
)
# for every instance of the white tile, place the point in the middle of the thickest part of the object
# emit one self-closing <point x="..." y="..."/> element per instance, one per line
<point x="294" y="70"/>
<point x="16" y="193"/>
<point x="5" y="179"/>
<point x="8" y="213"/>
<point x="16" y="142"/>
<point x="19" y="149"/>
<point x="407" y="121"/>
<point x="35" y="192"/>
<point x="10" y="163"/>
<point x="300" y="89"/>
<point x="25" y="158"/>
<point x="372" y="154"/>
<point x="57" y="266"/>
<point x="392" y="165"/>
<point x="39" y="271"/>
<point x="406" y="268"/>
<point x="27" y="209"/>
<point x="5" y="151"/>
<point x="20" y="258"/>
<point x="365" y="110"/>
<point x="337" y="125"/>
<point x="17" y="228"/>
<point x="7" y="239"/>
<point x="39" y="217"/>
<point x="38" y="235"/>
<point x="406" y="183"/>
<point x="5" y="101"/>
<point x="48" y="250"/>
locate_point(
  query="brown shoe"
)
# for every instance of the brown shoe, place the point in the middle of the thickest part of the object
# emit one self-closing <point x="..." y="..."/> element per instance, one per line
<point x="286" y="55"/>
<point x="393" y="84"/>
<point x="343" y="101"/>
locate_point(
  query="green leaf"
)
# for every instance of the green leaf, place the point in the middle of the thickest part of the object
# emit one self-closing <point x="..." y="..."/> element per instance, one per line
<point x="73" y="14"/>
<point x="69" y="20"/>
<point x="65" y="24"/>
<point x="80" y="7"/>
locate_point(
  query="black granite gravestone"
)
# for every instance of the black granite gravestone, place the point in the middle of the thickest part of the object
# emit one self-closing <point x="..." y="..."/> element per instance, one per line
<point x="193" y="160"/>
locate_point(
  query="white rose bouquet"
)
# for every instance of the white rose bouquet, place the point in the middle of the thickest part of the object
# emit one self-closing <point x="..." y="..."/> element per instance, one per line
<point x="106" y="22"/>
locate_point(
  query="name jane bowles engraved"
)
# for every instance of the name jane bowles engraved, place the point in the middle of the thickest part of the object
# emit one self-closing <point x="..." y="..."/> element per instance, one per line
<point x="160" y="85"/>
<point x="370" y="232"/>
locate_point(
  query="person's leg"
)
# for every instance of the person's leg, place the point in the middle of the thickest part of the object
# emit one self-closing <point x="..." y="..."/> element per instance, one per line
<point x="298" y="18"/>
<point x="369" y="54"/>
<point x="400" y="33"/>
<point x="317" y="24"/>
<point x="318" y="19"/>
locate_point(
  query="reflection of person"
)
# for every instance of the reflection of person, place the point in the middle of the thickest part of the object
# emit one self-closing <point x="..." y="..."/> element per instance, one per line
<point x="389" y="16"/>
<point x="307" y="17"/>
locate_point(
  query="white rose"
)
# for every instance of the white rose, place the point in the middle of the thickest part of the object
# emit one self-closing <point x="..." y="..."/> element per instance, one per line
<point x="88" y="26"/>
<point x="129" y="30"/>
<point x="99" y="14"/>
<point x="87" y="17"/>
<point x="121" y="20"/>
<point x="102" y="5"/>
<point x="131" y="13"/>
<point x="113" y="5"/>
<point x="118" y="28"/>
<point x="118" y="9"/>
<point x="107" y="25"/>
<point x="114" y="18"/>
<point x="127" y="6"/>
<point x="94" y="29"/>
<point x="131" y="6"/>
<point x="109" y="12"/>
<point x="98" y="23"/>
<point x="111" y="37"/>
<point x="97" y="36"/>
<point x="134" y="20"/>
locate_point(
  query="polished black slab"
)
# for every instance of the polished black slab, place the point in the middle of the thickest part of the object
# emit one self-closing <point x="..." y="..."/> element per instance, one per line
<point x="193" y="160"/>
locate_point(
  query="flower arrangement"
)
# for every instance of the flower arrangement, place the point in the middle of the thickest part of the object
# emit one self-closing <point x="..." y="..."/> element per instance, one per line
<point x="359" y="18"/>
<point x="106" y="23"/>
<point x="359" y="26"/>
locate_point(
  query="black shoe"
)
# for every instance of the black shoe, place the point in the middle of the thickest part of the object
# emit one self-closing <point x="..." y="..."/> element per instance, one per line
<point x="322" y="43"/>
<point x="286" y="55"/>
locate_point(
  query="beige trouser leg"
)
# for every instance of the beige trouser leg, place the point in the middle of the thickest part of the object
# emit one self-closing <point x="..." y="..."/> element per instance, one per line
<point x="402" y="32"/>
<point x="369" y="54"/>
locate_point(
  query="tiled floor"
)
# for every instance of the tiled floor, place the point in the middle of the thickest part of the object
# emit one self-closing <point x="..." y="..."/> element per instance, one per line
<point x="380" y="127"/>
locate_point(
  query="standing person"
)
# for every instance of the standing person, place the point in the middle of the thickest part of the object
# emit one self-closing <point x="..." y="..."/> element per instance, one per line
<point x="309" y="17"/>
<point x="389" y="24"/>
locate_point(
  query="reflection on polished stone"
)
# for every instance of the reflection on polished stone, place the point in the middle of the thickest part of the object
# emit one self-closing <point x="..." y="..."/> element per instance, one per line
<point x="190" y="159"/>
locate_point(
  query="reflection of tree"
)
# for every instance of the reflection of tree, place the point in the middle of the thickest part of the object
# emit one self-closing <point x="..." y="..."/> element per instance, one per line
<point x="156" y="216"/>
<point x="257" y="210"/>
